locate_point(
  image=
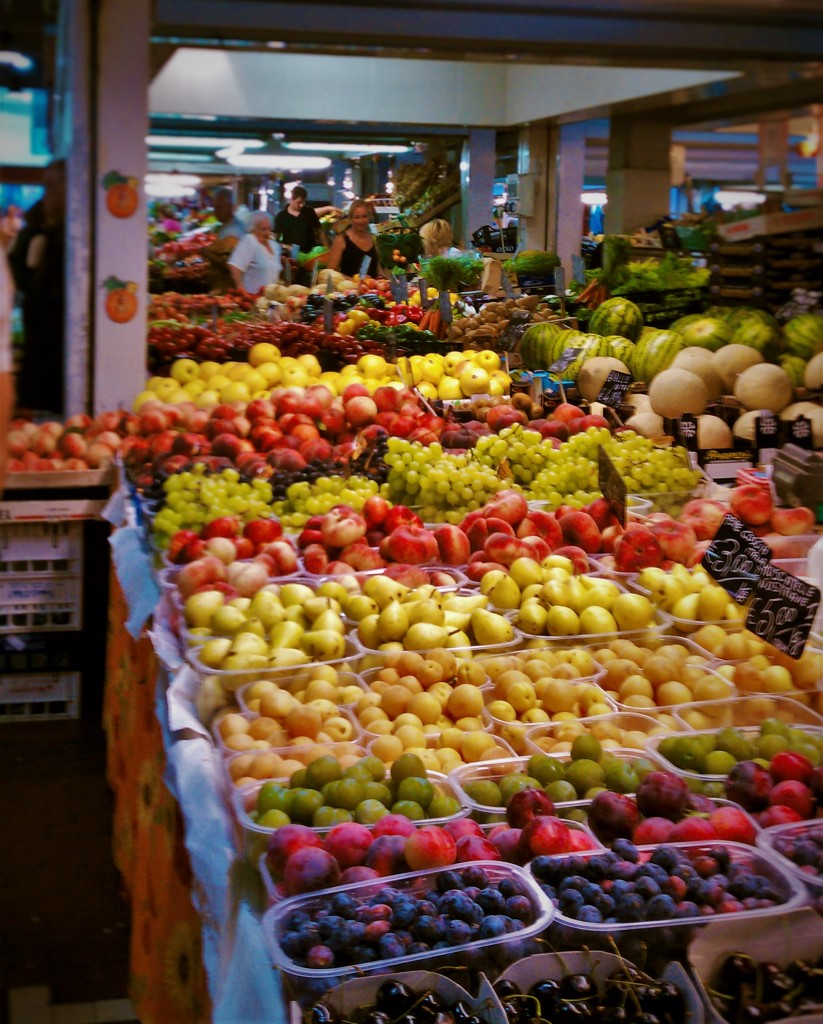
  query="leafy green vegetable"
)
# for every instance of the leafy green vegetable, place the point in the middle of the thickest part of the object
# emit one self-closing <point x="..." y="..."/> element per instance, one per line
<point x="312" y="254"/>
<point x="452" y="273"/>
<point x="533" y="262"/>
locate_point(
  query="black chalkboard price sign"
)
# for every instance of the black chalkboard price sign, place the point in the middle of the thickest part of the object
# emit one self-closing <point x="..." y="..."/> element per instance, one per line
<point x="800" y="432"/>
<point x="566" y="358"/>
<point x="687" y="430"/>
<point x="614" y="388"/>
<point x="736" y="558"/>
<point x="515" y="329"/>
<point x="612" y="486"/>
<point x="783" y="610"/>
<point x="767" y="435"/>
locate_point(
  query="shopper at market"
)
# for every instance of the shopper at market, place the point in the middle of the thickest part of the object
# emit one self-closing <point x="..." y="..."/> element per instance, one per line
<point x="298" y="224"/>
<point x="228" y="235"/>
<point x="37" y="264"/>
<point x="9" y="226"/>
<point x="357" y="241"/>
<point x="437" y="239"/>
<point x="256" y="261"/>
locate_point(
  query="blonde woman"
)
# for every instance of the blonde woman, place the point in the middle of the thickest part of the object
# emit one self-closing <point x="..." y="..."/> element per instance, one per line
<point x="356" y="242"/>
<point x="437" y="239"/>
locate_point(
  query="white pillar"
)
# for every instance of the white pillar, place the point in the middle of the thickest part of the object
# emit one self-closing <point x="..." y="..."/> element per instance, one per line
<point x="477" y="179"/>
<point x="533" y="169"/>
<point x="72" y="141"/>
<point x="120" y="243"/>
<point x="639" y="176"/>
<point x="566" y="185"/>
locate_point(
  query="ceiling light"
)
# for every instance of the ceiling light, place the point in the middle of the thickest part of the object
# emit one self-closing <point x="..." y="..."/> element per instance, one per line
<point x="594" y="198"/>
<point x="276" y="44"/>
<point x="172" y="179"/>
<point x="189" y="158"/>
<point x="201" y="142"/>
<point x="345" y="147"/>
<point x="274" y="161"/>
<point x="729" y="198"/>
<point x="158" y="190"/>
<point x="19" y="61"/>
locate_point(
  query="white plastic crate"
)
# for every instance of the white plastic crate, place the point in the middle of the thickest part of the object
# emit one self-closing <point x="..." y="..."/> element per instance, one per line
<point x="41" y="548"/>
<point x="31" y="696"/>
<point x="42" y="603"/>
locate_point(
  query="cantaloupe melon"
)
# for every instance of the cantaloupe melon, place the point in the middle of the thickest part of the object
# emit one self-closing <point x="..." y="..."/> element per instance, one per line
<point x="647" y="424"/>
<point x="640" y="403"/>
<point x="813" y="375"/>
<point x="811" y="412"/>
<point x="745" y="425"/>
<point x="700" y="361"/>
<point x="593" y="374"/>
<point x="712" y="432"/>
<point x="764" y="386"/>
<point x="674" y="392"/>
<point x="732" y="360"/>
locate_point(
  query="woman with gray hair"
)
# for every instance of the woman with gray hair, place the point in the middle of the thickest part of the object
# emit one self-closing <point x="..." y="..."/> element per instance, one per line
<point x="256" y="261"/>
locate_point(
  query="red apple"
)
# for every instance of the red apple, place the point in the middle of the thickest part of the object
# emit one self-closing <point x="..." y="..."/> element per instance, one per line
<point x="567" y="413"/>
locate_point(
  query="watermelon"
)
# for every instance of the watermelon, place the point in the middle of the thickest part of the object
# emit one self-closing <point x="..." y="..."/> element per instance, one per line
<point x="759" y="334"/>
<point x="795" y="367"/>
<point x="741" y="313"/>
<point x="622" y="348"/>
<point x="617" y="316"/>
<point x="804" y="335"/>
<point x="721" y="312"/>
<point x="592" y="345"/>
<point x="531" y="340"/>
<point x="684" y="321"/>
<point x="705" y="332"/>
<point x="654" y="353"/>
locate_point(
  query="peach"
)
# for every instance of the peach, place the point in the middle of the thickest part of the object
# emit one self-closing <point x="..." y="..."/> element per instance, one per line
<point x="508" y="505"/>
<point x="349" y="844"/>
<point x="704" y="517"/>
<point x="636" y="549"/>
<point x="453" y="544"/>
<point x="310" y="869"/>
<point x="751" y="504"/>
<point x="581" y="530"/>
<point x="430" y="847"/>
<point x="470" y="848"/>
<point x="676" y="540"/>
<point x="792" y="522"/>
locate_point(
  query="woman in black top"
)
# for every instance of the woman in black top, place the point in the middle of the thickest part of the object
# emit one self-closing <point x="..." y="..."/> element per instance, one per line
<point x="353" y="244"/>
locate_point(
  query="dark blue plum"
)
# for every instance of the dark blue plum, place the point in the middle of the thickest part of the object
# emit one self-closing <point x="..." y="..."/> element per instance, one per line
<point x="458" y="933"/>
<point x="449" y="880"/>
<point x="476" y="876"/>
<point x="390" y="946"/>
<point x="519" y="907"/>
<point x="660" y="908"/>
<point x="492" y="927"/>
<point x="491" y="901"/>
<point x="625" y="849"/>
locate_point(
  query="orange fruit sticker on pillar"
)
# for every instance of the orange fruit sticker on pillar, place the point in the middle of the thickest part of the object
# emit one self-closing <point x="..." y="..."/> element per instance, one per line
<point x="121" y="300"/>
<point x="122" y="198"/>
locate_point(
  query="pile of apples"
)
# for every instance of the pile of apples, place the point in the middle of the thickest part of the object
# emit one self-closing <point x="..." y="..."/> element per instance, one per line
<point x="456" y="375"/>
<point x="80" y="443"/>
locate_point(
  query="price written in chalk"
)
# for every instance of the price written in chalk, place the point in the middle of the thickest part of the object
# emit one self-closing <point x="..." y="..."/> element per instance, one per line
<point x="800" y="432"/>
<point x="782" y="610"/>
<point x="517" y="326"/>
<point x="612" y="486"/>
<point x="736" y="558"/>
<point x="614" y="388"/>
<point x="566" y="358"/>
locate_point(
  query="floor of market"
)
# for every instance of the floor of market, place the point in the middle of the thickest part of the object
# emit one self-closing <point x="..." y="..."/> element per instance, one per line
<point x="65" y="920"/>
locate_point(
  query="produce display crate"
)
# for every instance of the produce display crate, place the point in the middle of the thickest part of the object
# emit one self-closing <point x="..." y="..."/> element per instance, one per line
<point x="31" y="696"/>
<point x="47" y="602"/>
<point x="40" y="549"/>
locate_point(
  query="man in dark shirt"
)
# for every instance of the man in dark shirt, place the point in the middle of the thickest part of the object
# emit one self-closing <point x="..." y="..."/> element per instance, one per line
<point x="298" y="224"/>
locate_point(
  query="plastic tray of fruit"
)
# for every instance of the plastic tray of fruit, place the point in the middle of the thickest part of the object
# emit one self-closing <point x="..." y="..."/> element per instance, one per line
<point x="554" y="978"/>
<point x="250" y="696"/>
<point x="247" y="730"/>
<point x="249" y="766"/>
<point x="630" y="731"/>
<point x="776" y="957"/>
<point x="637" y="670"/>
<point x="232" y="679"/>
<point x="696" y="756"/>
<point x="580" y="697"/>
<point x="746" y="710"/>
<point x="660" y="623"/>
<point x="474" y="649"/>
<point x="670" y="814"/>
<point x="798" y="846"/>
<point x="671" y="502"/>
<point x="255" y="835"/>
<point x="412" y="576"/>
<point x="473" y="748"/>
<point x="604" y="567"/>
<point x="482" y="787"/>
<point x="390" y="856"/>
<point x="661" y="905"/>
<point x="293" y="929"/>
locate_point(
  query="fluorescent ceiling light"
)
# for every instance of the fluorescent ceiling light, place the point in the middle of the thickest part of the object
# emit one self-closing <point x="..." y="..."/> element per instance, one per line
<point x="729" y="198"/>
<point x="345" y="147"/>
<point x="189" y="158"/>
<point x="19" y="61"/>
<point x="594" y="198"/>
<point x="275" y="162"/>
<point x="173" y="179"/>
<point x="157" y="190"/>
<point x="201" y="142"/>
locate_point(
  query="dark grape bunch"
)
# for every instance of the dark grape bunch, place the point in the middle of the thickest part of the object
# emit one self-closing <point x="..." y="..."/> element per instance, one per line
<point x="463" y="906"/>
<point x="370" y="463"/>
<point x="626" y="997"/>
<point x="747" y="991"/>
<point x="396" y="1003"/>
